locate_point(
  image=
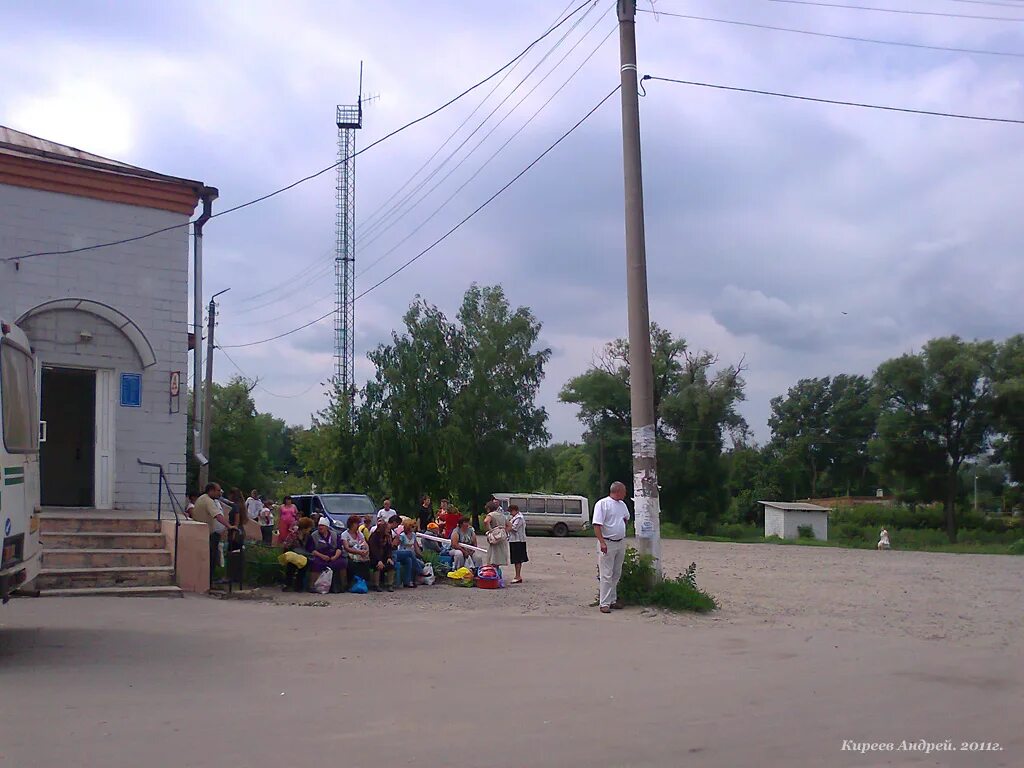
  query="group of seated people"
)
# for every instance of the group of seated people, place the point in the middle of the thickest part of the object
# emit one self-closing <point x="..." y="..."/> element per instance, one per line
<point x="385" y="555"/>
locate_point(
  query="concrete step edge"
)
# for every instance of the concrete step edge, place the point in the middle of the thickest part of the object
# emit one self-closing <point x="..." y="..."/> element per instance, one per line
<point x="125" y="569"/>
<point x="168" y="591"/>
<point x="100" y="533"/>
<point x="122" y="551"/>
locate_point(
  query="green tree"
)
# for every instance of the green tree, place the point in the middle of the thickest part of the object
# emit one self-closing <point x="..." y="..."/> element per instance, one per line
<point x="238" y="439"/>
<point x="695" y="409"/>
<point x="1009" y="405"/>
<point x="936" y="413"/>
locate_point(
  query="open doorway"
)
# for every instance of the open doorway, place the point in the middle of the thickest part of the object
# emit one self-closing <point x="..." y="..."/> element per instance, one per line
<point x="67" y="458"/>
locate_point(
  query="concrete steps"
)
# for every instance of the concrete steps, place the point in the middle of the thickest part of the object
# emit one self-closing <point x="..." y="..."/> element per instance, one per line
<point x="87" y="554"/>
<point x="91" y="578"/>
<point x="99" y="540"/>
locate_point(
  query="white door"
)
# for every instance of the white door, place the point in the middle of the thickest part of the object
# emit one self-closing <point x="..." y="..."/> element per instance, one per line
<point x="105" y="412"/>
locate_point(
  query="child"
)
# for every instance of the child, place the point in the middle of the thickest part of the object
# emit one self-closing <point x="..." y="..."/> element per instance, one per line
<point x="266" y="520"/>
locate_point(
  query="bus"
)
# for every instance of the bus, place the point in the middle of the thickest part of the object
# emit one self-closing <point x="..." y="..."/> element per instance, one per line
<point x="550" y="513"/>
<point x="19" y="461"/>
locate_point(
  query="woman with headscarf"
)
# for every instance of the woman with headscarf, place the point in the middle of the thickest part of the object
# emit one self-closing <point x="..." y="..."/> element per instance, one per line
<point x="298" y="546"/>
<point x="326" y="552"/>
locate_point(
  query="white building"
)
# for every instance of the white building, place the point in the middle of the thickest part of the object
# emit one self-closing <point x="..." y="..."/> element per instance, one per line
<point x="109" y="325"/>
<point x="783" y="519"/>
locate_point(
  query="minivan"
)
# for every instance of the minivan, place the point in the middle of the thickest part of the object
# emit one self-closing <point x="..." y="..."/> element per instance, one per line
<point x="336" y="506"/>
<point x="550" y="513"/>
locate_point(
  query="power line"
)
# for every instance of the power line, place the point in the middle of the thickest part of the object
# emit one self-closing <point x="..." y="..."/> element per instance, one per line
<point x="908" y="110"/>
<point x="447" y="234"/>
<point x="256" y="381"/>
<point x="382" y="224"/>
<point x="312" y="176"/>
<point x="496" y="152"/>
<point x="370" y="217"/>
<point x="834" y="36"/>
<point x="903" y="11"/>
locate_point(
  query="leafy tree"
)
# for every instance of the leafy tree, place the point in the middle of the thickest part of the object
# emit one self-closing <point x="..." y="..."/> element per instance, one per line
<point x="695" y="409"/>
<point x="1009" y="405"/>
<point x="936" y="413"/>
<point x="238" y="439"/>
<point x="452" y="407"/>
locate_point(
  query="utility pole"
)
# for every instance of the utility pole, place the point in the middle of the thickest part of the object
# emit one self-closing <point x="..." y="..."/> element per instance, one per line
<point x="204" y="469"/>
<point x="647" y="517"/>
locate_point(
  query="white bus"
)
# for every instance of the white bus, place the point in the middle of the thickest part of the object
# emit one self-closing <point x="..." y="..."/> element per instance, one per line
<point x="19" y="461"/>
<point x="550" y="513"/>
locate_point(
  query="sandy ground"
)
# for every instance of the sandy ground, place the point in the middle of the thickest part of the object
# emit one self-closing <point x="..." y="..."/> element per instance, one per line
<point x="812" y="647"/>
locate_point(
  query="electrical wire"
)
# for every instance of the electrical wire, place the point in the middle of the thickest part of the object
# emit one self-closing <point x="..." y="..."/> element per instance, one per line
<point x="903" y="11"/>
<point x="446" y="235"/>
<point x="393" y="213"/>
<point x="852" y="38"/>
<point x="495" y="154"/>
<point x="256" y="382"/>
<point x="312" y="176"/>
<point x="373" y="214"/>
<point x="908" y="110"/>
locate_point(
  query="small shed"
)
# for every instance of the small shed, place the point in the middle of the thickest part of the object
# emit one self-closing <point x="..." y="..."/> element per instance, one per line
<point x="783" y="519"/>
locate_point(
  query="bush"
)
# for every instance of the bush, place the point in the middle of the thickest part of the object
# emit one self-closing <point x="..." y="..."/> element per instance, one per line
<point x="678" y="594"/>
<point x="1017" y="548"/>
<point x="738" y="531"/>
<point x="261" y="566"/>
<point x="805" y="532"/>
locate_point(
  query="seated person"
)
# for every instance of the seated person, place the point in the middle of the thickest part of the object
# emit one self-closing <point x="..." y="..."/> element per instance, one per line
<point x="434" y="546"/>
<point x="463" y="538"/>
<point x="407" y="556"/>
<point x="297" y="542"/>
<point x="357" y="550"/>
<point x="382" y="561"/>
<point x="327" y="553"/>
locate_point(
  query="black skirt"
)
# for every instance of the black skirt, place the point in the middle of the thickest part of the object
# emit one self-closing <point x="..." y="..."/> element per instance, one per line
<point x="517" y="552"/>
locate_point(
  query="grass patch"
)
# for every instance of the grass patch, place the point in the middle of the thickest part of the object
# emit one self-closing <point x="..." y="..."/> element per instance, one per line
<point x="678" y="594"/>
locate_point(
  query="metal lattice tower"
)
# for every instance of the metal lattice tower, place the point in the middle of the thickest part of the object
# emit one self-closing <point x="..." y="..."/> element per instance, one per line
<point x="349" y="119"/>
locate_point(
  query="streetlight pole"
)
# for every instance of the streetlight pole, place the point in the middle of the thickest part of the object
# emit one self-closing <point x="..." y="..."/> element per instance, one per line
<point x="641" y="374"/>
<point x="204" y="469"/>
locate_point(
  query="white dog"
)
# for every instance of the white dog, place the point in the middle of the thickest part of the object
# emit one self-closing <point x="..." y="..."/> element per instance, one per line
<point x="883" y="540"/>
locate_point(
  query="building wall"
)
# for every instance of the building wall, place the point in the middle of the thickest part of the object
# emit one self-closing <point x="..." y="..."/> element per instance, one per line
<point x="795" y="518"/>
<point x="146" y="280"/>
<point x="774" y="524"/>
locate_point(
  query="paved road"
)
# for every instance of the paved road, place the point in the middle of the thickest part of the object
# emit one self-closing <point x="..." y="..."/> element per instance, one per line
<point x="397" y="680"/>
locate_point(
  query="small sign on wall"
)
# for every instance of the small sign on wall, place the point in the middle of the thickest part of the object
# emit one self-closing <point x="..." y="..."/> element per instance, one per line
<point x="131" y="390"/>
<point x="175" y="392"/>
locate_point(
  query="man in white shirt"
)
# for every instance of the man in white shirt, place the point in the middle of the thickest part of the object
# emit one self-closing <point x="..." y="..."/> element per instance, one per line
<point x="610" y="517"/>
<point x="385" y="512"/>
<point x="254" y="505"/>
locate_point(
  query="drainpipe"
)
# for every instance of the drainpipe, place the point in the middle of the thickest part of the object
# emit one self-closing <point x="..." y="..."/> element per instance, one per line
<point x="208" y="195"/>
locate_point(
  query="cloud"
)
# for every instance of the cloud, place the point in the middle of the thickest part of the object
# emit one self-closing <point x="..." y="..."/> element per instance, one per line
<point x="766" y="219"/>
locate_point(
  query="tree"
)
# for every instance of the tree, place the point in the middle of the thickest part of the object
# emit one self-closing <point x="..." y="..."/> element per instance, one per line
<point x="821" y="428"/>
<point x="936" y="413"/>
<point x="1009" y="405"/>
<point x="238" y="439"/>
<point x="695" y="408"/>
<point x="452" y="408"/>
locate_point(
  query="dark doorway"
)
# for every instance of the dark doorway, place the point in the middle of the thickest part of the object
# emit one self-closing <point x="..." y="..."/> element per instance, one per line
<point x="66" y="459"/>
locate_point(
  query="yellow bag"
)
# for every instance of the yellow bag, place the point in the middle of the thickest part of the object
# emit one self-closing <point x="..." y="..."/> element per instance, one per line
<point x="293" y="558"/>
<point x="459" y="575"/>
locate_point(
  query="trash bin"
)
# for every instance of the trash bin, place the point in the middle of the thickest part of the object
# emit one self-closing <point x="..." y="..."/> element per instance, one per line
<point x="235" y="559"/>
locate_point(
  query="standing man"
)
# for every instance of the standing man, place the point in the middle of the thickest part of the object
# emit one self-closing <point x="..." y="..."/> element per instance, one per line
<point x="426" y="513"/>
<point x="254" y="505"/>
<point x="385" y="512"/>
<point x="610" y="517"/>
<point x="208" y="510"/>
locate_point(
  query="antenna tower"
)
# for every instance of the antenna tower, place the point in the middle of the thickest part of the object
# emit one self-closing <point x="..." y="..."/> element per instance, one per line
<point x="349" y="120"/>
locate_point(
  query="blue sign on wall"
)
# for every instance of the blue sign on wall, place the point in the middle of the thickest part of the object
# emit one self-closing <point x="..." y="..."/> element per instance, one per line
<point x="131" y="390"/>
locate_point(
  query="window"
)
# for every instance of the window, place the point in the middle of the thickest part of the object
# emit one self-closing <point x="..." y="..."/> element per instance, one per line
<point x="18" y="392"/>
<point x="574" y="507"/>
<point x="534" y="506"/>
<point x="553" y="506"/>
<point x="521" y="503"/>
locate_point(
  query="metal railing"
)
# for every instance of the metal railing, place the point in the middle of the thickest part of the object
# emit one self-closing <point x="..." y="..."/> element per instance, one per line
<point x="163" y="485"/>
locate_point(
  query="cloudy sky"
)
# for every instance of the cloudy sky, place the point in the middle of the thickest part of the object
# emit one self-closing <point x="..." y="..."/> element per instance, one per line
<point x="807" y="239"/>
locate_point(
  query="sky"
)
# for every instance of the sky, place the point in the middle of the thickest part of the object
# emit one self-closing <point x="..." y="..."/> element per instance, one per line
<point x="804" y="239"/>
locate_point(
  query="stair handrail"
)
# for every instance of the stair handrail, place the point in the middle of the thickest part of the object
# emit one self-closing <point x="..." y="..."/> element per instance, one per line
<point x="161" y="484"/>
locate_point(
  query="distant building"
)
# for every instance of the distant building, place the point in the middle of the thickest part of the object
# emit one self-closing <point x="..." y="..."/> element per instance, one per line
<point x="784" y="519"/>
<point x="844" y="502"/>
<point x="109" y="326"/>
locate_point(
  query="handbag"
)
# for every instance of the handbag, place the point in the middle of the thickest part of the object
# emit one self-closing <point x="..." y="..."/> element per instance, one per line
<point x="323" y="582"/>
<point x="497" y="535"/>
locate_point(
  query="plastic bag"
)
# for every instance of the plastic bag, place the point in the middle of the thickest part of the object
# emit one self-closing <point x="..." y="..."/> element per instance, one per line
<point x="428" y="571"/>
<point x="322" y="585"/>
<point x="359" y="586"/>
